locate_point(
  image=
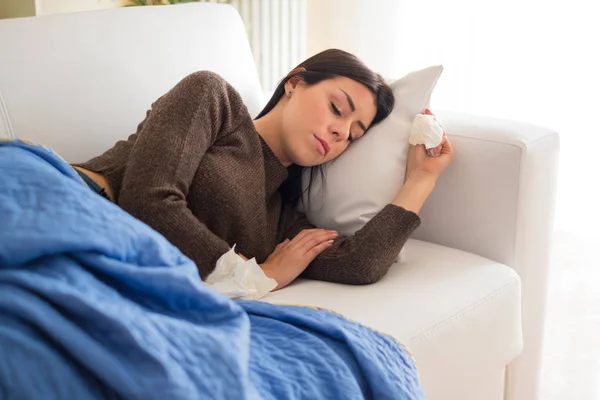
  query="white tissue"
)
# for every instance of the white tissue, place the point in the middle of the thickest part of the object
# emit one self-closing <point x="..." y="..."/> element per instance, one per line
<point x="426" y="130"/>
<point x="238" y="279"/>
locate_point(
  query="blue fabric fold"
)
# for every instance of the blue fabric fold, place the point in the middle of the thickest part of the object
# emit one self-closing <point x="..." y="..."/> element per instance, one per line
<point x="94" y="304"/>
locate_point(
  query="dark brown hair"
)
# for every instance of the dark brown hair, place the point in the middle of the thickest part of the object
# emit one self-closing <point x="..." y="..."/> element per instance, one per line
<point x="329" y="64"/>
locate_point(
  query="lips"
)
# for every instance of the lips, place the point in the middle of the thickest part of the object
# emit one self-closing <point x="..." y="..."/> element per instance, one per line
<point x="323" y="146"/>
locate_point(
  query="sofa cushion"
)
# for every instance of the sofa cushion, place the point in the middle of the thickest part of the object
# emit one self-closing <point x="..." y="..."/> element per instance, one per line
<point x="449" y="307"/>
<point x="101" y="72"/>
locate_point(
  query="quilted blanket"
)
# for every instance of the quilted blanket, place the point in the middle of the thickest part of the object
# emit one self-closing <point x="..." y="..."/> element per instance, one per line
<point x="95" y="304"/>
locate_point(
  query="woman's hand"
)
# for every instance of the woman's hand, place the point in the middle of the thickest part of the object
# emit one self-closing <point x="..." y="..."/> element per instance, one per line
<point x="291" y="257"/>
<point x="419" y="162"/>
<point x="422" y="172"/>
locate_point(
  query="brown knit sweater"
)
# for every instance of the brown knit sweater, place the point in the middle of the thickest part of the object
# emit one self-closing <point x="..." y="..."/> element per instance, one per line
<point x="197" y="171"/>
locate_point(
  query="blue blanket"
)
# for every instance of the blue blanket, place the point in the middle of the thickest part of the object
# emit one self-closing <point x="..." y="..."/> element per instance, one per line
<point x="95" y="304"/>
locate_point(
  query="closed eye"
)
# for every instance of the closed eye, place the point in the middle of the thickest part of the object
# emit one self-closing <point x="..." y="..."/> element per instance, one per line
<point x="335" y="110"/>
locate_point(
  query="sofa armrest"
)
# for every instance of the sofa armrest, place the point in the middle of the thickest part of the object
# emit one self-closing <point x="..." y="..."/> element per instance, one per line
<point x="497" y="200"/>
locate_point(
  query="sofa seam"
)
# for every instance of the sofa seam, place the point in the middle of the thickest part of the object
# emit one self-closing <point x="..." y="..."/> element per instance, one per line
<point x="513" y="258"/>
<point x="518" y="195"/>
<point x="525" y="145"/>
<point x="417" y="337"/>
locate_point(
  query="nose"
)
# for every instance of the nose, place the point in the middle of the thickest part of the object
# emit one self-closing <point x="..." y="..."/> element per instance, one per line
<point x="340" y="131"/>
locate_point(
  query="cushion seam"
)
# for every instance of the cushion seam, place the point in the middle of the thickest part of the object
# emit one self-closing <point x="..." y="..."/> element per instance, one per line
<point x="457" y="315"/>
<point x="524" y="146"/>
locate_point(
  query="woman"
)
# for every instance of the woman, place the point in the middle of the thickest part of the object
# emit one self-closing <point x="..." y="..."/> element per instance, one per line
<point x="200" y="171"/>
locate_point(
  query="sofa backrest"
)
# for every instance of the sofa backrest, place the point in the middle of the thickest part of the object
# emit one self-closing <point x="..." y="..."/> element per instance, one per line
<point x="79" y="82"/>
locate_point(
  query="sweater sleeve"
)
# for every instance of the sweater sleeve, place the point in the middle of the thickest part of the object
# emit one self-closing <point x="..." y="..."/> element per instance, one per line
<point x="179" y="129"/>
<point x="366" y="256"/>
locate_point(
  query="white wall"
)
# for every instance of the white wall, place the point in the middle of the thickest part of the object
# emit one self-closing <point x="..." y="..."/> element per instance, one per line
<point x="357" y="26"/>
<point x="523" y="60"/>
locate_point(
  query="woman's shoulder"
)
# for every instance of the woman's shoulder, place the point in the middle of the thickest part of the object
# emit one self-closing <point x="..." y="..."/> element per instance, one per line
<point x="208" y="95"/>
<point x="206" y="78"/>
<point x="209" y="81"/>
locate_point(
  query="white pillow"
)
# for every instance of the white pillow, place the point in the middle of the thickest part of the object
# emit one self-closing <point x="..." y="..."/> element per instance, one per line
<point x="367" y="176"/>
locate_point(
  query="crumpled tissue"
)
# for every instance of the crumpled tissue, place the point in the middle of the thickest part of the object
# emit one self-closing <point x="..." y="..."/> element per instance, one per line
<point x="426" y="130"/>
<point x="238" y="279"/>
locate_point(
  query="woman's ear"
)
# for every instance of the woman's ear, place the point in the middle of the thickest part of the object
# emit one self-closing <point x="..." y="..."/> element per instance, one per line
<point x="294" y="79"/>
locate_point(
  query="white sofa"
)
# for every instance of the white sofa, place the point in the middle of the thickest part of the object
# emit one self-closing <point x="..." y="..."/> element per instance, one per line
<point x="468" y="298"/>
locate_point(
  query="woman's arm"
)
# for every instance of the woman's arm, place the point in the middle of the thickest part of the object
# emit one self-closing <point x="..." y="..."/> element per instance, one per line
<point x="171" y="142"/>
<point x="366" y="256"/>
<point x="415" y="191"/>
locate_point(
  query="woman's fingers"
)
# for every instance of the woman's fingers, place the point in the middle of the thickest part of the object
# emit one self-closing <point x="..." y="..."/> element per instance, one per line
<point x="447" y="146"/>
<point x="420" y="149"/>
<point x="308" y="234"/>
<point x="282" y="244"/>
<point x="318" y="249"/>
<point x="316" y="239"/>
<point x="438" y="150"/>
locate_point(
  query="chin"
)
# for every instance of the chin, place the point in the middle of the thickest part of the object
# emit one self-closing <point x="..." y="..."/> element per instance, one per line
<point x="305" y="157"/>
<point x="304" y="162"/>
<point x="303" y="151"/>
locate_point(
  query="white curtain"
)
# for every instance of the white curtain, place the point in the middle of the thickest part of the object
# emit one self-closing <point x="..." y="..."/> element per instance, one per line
<point x="528" y="60"/>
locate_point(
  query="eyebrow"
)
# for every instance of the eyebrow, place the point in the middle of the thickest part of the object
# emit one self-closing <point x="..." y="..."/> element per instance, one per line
<point x="353" y="108"/>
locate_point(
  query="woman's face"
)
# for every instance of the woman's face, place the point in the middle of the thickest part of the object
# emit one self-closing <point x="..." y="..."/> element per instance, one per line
<point x="320" y="121"/>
